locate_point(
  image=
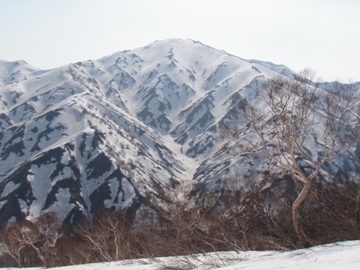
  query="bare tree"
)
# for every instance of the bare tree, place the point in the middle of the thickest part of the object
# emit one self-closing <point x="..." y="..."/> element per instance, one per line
<point x="22" y="241"/>
<point x="292" y="113"/>
<point x="357" y="211"/>
<point x="11" y="242"/>
<point x="30" y="242"/>
<point x="49" y="234"/>
<point x="109" y="235"/>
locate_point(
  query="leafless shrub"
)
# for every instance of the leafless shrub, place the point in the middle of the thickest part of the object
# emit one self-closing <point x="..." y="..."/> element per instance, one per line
<point x="251" y="217"/>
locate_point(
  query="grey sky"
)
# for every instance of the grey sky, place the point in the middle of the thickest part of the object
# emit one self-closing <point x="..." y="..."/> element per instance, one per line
<point x="320" y="34"/>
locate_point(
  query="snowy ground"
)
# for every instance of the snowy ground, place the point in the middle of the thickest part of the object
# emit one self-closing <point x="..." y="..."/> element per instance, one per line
<point x="343" y="255"/>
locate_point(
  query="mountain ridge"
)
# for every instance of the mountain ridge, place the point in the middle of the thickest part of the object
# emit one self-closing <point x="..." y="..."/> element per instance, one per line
<point x="108" y="132"/>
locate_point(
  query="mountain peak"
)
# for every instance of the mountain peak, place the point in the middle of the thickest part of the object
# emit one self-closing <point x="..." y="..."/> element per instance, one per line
<point x="173" y="41"/>
<point x="180" y="44"/>
<point x="4" y="64"/>
<point x="15" y="71"/>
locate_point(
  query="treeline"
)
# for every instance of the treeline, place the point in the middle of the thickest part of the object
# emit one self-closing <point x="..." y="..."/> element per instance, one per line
<point x="252" y="218"/>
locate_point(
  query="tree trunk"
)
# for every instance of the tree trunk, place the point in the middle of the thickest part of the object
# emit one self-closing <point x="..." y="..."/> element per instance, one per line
<point x="357" y="211"/>
<point x="295" y="214"/>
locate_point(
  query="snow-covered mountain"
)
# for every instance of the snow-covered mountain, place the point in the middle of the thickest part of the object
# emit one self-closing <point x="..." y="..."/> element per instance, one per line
<point x="111" y="131"/>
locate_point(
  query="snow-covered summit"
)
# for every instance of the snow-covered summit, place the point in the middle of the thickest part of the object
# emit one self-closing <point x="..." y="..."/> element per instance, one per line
<point x="15" y="71"/>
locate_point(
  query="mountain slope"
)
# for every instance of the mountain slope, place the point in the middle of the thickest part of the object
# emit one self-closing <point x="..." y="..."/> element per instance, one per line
<point x="108" y="132"/>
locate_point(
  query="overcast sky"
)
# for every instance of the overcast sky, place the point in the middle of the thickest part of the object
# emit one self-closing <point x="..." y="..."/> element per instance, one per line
<point x="319" y="34"/>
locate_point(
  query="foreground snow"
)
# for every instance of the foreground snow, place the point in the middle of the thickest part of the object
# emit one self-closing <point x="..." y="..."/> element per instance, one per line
<point x="330" y="257"/>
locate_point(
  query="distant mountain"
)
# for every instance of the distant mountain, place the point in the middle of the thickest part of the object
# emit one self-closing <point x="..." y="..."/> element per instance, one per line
<point x="108" y="132"/>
